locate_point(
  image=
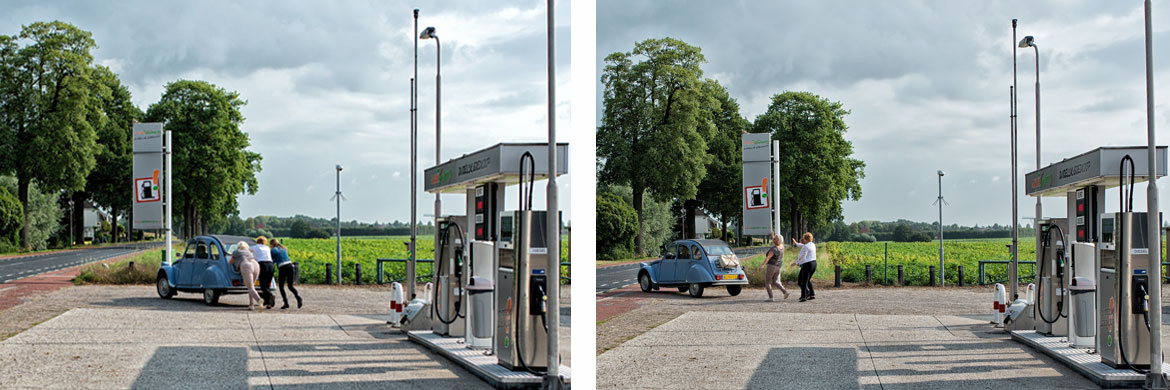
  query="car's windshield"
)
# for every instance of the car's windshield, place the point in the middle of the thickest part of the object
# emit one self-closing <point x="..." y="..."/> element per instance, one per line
<point x="718" y="250"/>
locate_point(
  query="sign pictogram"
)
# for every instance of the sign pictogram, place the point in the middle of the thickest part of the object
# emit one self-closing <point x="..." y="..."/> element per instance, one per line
<point x="146" y="189"/>
<point x="756" y="197"/>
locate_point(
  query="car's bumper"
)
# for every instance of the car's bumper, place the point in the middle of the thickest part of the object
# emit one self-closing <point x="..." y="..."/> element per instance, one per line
<point x="733" y="282"/>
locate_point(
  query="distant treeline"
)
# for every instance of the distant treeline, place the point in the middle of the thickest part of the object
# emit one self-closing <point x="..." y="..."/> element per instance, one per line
<point x="303" y="226"/>
<point x="362" y="231"/>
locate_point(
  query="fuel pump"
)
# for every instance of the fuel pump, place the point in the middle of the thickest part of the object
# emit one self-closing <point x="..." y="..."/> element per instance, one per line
<point x="449" y="305"/>
<point x="1050" y="268"/>
<point x="522" y="285"/>
<point x="1123" y="308"/>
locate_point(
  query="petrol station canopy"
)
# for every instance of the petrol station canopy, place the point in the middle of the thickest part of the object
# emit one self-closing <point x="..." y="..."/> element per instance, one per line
<point x="498" y="163"/>
<point x="1100" y="166"/>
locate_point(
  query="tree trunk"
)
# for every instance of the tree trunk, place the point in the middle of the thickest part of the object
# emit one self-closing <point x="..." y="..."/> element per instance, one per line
<point x="723" y="229"/>
<point x="114" y="224"/>
<point x="739" y="230"/>
<point x="78" y="224"/>
<point x="637" y="194"/>
<point x="689" y="207"/>
<point x="22" y="185"/>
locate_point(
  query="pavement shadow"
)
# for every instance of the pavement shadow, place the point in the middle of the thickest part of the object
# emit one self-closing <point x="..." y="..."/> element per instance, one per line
<point x="178" y="303"/>
<point x="807" y="368"/>
<point x="172" y="367"/>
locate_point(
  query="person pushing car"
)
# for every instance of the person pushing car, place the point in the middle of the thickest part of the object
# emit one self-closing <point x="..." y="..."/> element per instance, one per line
<point x="263" y="256"/>
<point x="774" y="262"/>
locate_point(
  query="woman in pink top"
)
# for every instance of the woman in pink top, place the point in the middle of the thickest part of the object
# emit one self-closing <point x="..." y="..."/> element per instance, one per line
<point x="250" y="270"/>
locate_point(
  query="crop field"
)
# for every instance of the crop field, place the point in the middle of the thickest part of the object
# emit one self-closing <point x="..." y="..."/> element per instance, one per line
<point x="314" y="253"/>
<point x="917" y="257"/>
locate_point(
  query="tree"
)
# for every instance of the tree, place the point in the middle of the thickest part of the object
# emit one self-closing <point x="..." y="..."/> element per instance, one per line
<point x="719" y="191"/>
<point x="299" y="229"/>
<point x="45" y="134"/>
<point x="11" y="218"/>
<point x="816" y="166"/>
<point x="109" y="182"/>
<point x="652" y="136"/>
<point x="902" y="233"/>
<point x="43" y="213"/>
<point x="211" y="161"/>
<point x="616" y="225"/>
<point x="657" y="221"/>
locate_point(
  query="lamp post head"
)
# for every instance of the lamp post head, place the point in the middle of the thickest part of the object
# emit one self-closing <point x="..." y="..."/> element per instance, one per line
<point x="428" y="33"/>
<point x="1027" y="42"/>
<point x="339" y="167"/>
<point x="940" y="173"/>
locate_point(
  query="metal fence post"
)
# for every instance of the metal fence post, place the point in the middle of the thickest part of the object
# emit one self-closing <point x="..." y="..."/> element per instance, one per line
<point x="868" y="274"/>
<point x="357" y="273"/>
<point x="901" y="276"/>
<point x="837" y="276"/>
<point x="932" y="276"/>
<point x="982" y="274"/>
<point x="381" y="273"/>
<point x="961" y="284"/>
<point x="328" y="273"/>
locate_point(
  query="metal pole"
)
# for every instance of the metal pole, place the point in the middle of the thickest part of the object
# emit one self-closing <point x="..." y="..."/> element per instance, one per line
<point x="410" y="277"/>
<point x="941" y="269"/>
<point x="72" y="234"/>
<point x="775" y="186"/>
<point x="169" y="198"/>
<point x="552" y="378"/>
<point x="438" y="202"/>
<point x="1155" y="379"/>
<point x="1039" y="207"/>
<point x="1013" y="273"/>
<point x="338" y="196"/>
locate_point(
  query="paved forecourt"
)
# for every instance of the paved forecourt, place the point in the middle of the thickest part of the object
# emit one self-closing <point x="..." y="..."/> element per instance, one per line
<point x="150" y="349"/>
<point x="771" y="350"/>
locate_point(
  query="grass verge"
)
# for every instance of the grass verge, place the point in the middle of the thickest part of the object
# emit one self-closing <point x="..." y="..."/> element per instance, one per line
<point x="144" y="269"/>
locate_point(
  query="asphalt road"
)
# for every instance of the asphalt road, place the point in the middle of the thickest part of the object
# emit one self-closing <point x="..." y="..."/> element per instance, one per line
<point x="14" y="268"/>
<point x="618" y="276"/>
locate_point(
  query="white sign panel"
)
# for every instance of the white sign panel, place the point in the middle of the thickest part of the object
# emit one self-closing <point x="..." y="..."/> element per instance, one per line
<point x="148" y="173"/>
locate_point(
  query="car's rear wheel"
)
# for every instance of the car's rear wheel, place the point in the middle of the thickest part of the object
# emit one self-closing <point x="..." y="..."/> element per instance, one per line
<point x="211" y="296"/>
<point x="682" y="289"/>
<point x="644" y="282"/>
<point x="164" y="287"/>
<point x="734" y="290"/>
<point x="696" y="290"/>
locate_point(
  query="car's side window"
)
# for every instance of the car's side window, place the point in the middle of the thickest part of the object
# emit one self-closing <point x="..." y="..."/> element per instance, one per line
<point x="683" y="252"/>
<point x="190" y="252"/>
<point x="668" y="253"/>
<point x="201" y="250"/>
<point x="696" y="252"/>
<point x="214" y="251"/>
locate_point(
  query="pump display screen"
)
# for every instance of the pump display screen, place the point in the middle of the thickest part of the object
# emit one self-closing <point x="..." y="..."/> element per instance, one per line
<point x="506" y="228"/>
<point x="1107" y="229"/>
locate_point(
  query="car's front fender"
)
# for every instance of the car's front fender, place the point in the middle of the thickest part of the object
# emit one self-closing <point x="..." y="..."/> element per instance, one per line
<point x="169" y="272"/>
<point x="648" y="268"/>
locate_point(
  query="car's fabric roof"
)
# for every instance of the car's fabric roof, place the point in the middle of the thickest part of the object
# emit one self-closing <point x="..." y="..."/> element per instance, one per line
<point x="229" y="240"/>
<point x="706" y="243"/>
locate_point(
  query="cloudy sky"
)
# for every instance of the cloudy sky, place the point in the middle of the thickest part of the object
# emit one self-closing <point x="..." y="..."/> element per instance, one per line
<point x="329" y="83"/>
<point x="927" y="84"/>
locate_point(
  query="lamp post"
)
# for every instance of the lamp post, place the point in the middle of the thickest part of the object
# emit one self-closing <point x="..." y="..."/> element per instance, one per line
<point x="552" y="379"/>
<point x="71" y="216"/>
<point x="429" y="33"/>
<point x="1013" y="274"/>
<point x="338" y="196"/>
<point x="942" y="281"/>
<point x="1027" y="42"/>
<point x="1155" y="379"/>
<point x="410" y="264"/>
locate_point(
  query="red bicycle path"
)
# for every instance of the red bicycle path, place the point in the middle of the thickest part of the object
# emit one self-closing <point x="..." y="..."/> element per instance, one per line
<point x="18" y="291"/>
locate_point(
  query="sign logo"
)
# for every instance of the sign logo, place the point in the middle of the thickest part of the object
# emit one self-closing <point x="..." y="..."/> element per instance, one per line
<point x="442" y="176"/>
<point x="146" y="189"/>
<point x="1042" y="180"/>
<point x="756" y="197"/>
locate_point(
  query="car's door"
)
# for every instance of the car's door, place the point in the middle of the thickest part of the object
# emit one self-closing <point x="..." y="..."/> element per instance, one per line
<point x="682" y="261"/>
<point x="666" y="266"/>
<point x="696" y="260"/>
<point x="186" y="266"/>
<point x="202" y="261"/>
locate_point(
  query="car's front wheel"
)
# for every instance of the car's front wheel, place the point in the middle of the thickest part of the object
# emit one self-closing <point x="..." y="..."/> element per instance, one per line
<point x="164" y="287"/>
<point x="696" y="290"/>
<point x="644" y="282"/>
<point x="211" y="296"/>
<point x="734" y="290"/>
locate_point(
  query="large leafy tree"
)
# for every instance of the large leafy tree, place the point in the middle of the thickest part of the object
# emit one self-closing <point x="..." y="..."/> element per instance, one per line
<point x="45" y="134"/>
<point x="817" y="169"/>
<point x="719" y="192"/>
<point x="211" y="161"/>
<point x="109" y="183"/>
<point x="653" y="135"/>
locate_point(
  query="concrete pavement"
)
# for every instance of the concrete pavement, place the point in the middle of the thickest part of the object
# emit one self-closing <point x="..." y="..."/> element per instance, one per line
<point x="754" y="350"/>
<point x="150" y="349"/>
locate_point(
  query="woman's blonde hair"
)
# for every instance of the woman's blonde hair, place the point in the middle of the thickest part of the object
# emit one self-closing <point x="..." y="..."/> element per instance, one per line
<point x="261" y="240"/>
<point x="241" y="246"/>
<point x="276" y="243"/>
<point x="807" y="237"/>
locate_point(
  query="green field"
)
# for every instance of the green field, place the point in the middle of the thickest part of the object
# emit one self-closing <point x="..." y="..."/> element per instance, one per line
<point x="313" y="254"/>
<point x="917" y="257"/>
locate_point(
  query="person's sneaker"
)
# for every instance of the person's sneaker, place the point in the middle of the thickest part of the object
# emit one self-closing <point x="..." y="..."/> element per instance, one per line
<point x="299" y="302"/>
<point x="285" y="306"/>
<point x="803" y="299"/>
<point x="770" y="300"/>
<point x="812" y="297"/>
<point x="785" y="295"/>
